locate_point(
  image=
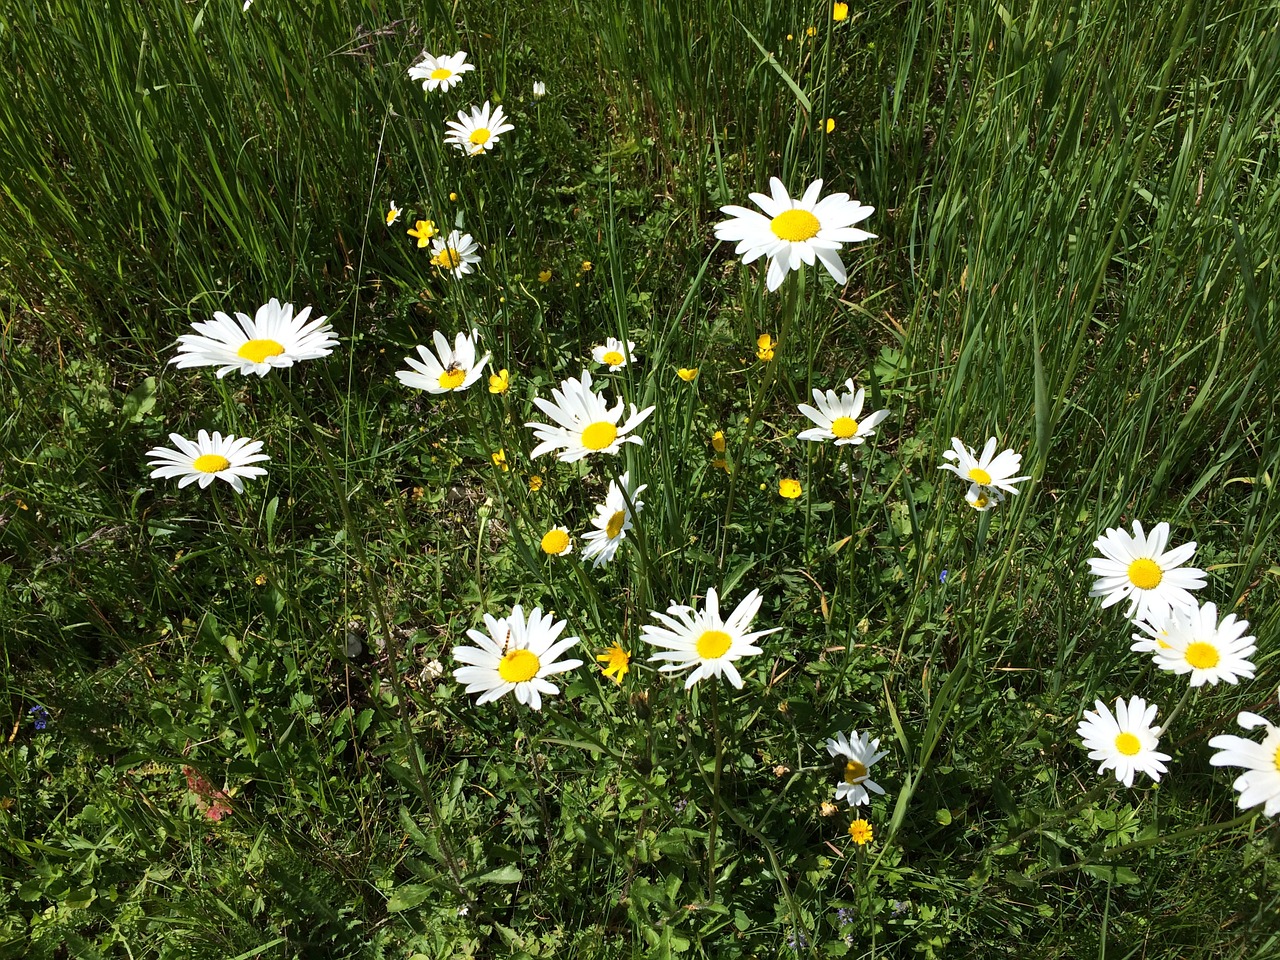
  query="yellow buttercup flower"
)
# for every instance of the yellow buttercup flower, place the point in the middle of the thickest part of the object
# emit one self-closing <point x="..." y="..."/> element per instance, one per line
<point x="831" y="124"/>
<point x="500" y="382"/>
<point x="790" y="489"/>
<point x="687" y="374"/>
<point x="535" y="483"/>
<point x="717" y="441"/>
<point x="765" y="345"/>
<point x="720" y="464"/>
<point x="840" y="12"/>
<point x="544" y="275"/>
<point x="500" y="459"/>
<point x="616" y="663"/>
<point x="587" y="266"/>
<point x="424" y="230"/>
<point x="812" y="32"/>
<point x="861" y="832"/>
<point x="453" y="197"/>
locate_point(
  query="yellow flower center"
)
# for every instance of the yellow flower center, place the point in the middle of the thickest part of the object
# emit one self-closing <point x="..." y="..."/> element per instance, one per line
<point x="452" y="379"/>
<point x="614" y="526"/>
<point x="1275" y="761"/>
<point x="613" y="358"/>
<point x="1145" y="573"/>
<point x="978" y="475"/>
<point x="599" y="435"/>
<point x="480" y="136"/>
<point x="555" y="542"/>
<point x="795" y="225"/>
<point x="518" y="666"/>
<point x="1128" y="744"/>
<point x="448" y="258"/>
<point x="441" y="73"/>
<point x="259" y="350"/>
<point x="844" y="427"/>
<point x="210" y="463"/>
<point x="855" y="772"/>
<point x="713" y="644"/>
<point x="1202" y="656"/>
<point x="980" y="503"/>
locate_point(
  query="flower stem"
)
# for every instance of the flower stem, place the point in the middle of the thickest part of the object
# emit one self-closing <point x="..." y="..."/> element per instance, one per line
<point x="715" y="792"/>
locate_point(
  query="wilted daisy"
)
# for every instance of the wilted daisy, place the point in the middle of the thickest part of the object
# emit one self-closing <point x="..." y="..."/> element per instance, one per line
<point x="988" y="474"/>
<point x="393" y="214"/>
<point x="1193" y="641"/>
<point x="614" y="352"/>
<point x="1139" y="568"/>
<point x="703" y="641"/>
<point x="440" y="73"/>
<point x="273" y="337"/>
<point x="478" y="132"/>
<point x="208" y="458"/>
<point x="556" y="542"/>
<point x="617" y="662"/>
<point x="456" y="367"/>
<point x="1125" y="742"/>
<point x="455" y="254"/>
<point x="859" y="753"/>
<point x="612" y="520"/>
<point x="586" y="425"/>
<point x="837" y="417"/>
<point x="515" y="655"/>
<point x="795" y="231"/>
<point x="1260" y="783"/>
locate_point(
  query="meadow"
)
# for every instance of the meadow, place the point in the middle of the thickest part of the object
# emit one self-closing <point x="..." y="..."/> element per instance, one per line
<point x="300" y="707"/>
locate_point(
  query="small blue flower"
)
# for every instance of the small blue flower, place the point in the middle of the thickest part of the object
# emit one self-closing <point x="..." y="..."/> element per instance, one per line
<point x="845" y="916"/>
<point x="943" y="577"/>
<point x="41" y="716"/>
<point x="798" y="942"/>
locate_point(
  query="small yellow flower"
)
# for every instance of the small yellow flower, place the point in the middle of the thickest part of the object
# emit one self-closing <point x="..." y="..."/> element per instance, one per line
<point x="616" y="663"/>
<point x="831" y="124"/>
<point x="840" y="12"/>
<point x="861" y="832"/>
<point x="828" y="809"/>
<point x="393" y="214"/>
<point x="790" y="37"/>
<point x="765" y="345"/>
<point x="424" y="230"/>
<point x="720" y="464"/>
<point x="790" y="489"/>
<point x="544" y="275"/>
<point x="687" y="374"/>
<point x="717" y="441"/>
<point x="556" y="541"/>
<point x="453" y="197"/>
<point x="260" y="579"/>
<point x="812" y="32"/>
<point x="500" y="460"/>
<point x="535" y="483"/>
<point x="587" y="266"/>
<point x="500" y="382"/>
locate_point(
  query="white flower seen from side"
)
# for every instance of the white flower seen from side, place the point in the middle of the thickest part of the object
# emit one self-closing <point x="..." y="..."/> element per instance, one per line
<point x="393" y="213"/>
<point x="702" y="641"/>
<point x="1260" y="783"/>
<point x="440" y="73"/>
<point x="456" y="254"/>
<point x="478" y="132"/>
<point x="209" y="458"/>
<point x="1125" y="741"/>
<point x="837" y="416"/>
<point x="515" y="656"/>
<point x="1139" y="569"/>
<point x="792" y="232"/>
<point x="859" y="753"/>
<point x="273" y="337"/>
<point x="448" y="369"/>
<point x="1194" y="642"/>
<point x="539" y="89"/>
<point x="585" y="424"/>
<point x="612" y="521"/>
<point x="988" y="474"/>
<point x="614" y="353"/>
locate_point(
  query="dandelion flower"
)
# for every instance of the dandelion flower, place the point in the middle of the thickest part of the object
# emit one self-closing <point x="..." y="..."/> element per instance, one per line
<point x="455" y="368"/>
<point x="614" y="353"/>
<point x="1125" y="742"/>
<point x="792" y="232"/>
<point x="272" y="337"/>
<point x="989" y="472"/>
<point x="1195" y="643"/>
<point x="515" y="655"/>
<point x="535" y="483"/>
<point x="616" y="663"/>
<point x="861" y="833"/>
<point x="702" y="640"/>
<point x="539" y="89"/>
<point x="500" y="382"/>
<point x="837" y="417"/>
<point x="687" y="374"/>
<point x="393" y="214"/>
<point x="479" y="132"/>
<point x="612" y="521"/>
<point x="208" y="458"/>
<point x="765" y="345"/>
<point x="556" y="542"/>
<point x="440" y="73"/>
<point x="789" y="489"/>
<point x="586" y="425"/>
<point x="457" y="254"/>
<point x="859" y="753"/>
<point x="1260" y="783"/>
<point x="1139" y="568"/>
<point x="424" y="230"/>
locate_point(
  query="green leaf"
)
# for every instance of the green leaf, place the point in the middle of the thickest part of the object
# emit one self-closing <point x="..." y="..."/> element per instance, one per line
<point x="408" y="895"/>
<point x="508" y="874"/>
<point x="140" y="401"/>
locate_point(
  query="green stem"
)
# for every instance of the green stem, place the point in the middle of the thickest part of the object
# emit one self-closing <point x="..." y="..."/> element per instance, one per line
<point x="715" y="791"/>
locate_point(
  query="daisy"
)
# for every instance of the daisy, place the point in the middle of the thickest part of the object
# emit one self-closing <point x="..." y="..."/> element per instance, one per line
<point x="515" y="655"/>
<point x="556" y="542"/>
<point x="1139" y="568"/>
<point x="479" y="132"/>
<point x="1193" y="642"/>
<point x="1260" y="783"/>
<point x="456" y="254"/>
<point x="393" y="214"/>
<point x="617" y="662"/>
<point x="1125" y="742"/>
<point x="454" y="369"/>
<point x="983" y="498"/>
<point x="273" y="337"/>
<point x="792" y="232"/>
<point x="612" y="520"/>
<point x="440" y="73"/>
<point x="613" y="353"/>
<point x="586" y="424"/>
<point x="859" y="754"/>
<point x="837" y="417"/>
<point x="539" y="89"/>
<point x="988" y="472"/>
<point x="208" y="458"/>
<point x="703" y="640"/>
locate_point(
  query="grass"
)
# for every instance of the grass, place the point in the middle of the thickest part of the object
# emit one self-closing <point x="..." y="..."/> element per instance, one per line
<point x="1076" y="210"/>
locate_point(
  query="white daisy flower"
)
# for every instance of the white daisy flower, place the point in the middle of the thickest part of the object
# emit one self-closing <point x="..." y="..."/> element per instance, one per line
<point x="614" y="353"/>
<point x="859" y="754"/>
<point x="1195" y="643"/>
<point x="1156" y="635"/>
<point x="586" y="424"/>
<point x="1125" y="742"/>
<point x="983" y="498"/>
<point x="795" y="231"/>
<point x="837" y="417"/>
<point x="456" y="253"/>
<point x="208" y="458"/>
<point x="515" y="655"/>
<point x="992" y="472"/>
<point x="703" y="640"/>
<point x="393" y="214"/>
<point x="272" y="338"/>
<point x="440" y="73"/>
<point x="612" y="521"/>
<point x="1139" y="568"/>
<point x="1260" y="783"/>
<point x="539" y="89"/>
<point x="478" y="132"/>
<point x="455" y="368"/>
